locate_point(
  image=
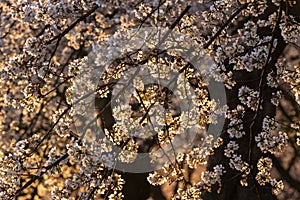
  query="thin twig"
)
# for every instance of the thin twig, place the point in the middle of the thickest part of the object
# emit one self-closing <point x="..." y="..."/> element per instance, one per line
<point x="225" y="25"/>
<point x="45" y="169"/>
<point x="261" y="83"/>
<point x="83" y="17"/>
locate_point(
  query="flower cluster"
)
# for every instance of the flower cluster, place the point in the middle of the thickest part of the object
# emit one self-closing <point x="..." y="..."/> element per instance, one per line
<point x="263" y="176"/>
<point x="249" y="97"/>
<point x="235" y="128"/>
<point x="271" y="143"/>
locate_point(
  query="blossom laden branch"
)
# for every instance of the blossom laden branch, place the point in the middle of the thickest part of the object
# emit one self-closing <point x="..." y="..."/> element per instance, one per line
<point x="83" y="17"/>
<point x="212" y="39"/>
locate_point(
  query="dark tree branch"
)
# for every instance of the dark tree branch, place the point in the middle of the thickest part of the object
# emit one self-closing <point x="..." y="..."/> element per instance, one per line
<point x="83" y="17"/>
<point x="212" y="39"/>
<point x="45" y="169"/>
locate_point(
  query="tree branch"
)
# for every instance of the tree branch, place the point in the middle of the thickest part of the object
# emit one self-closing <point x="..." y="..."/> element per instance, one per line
<point x="225" y="25"/>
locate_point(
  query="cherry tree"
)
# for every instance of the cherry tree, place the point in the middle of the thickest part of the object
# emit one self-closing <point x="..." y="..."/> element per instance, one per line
<point x="61" y="58"/>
